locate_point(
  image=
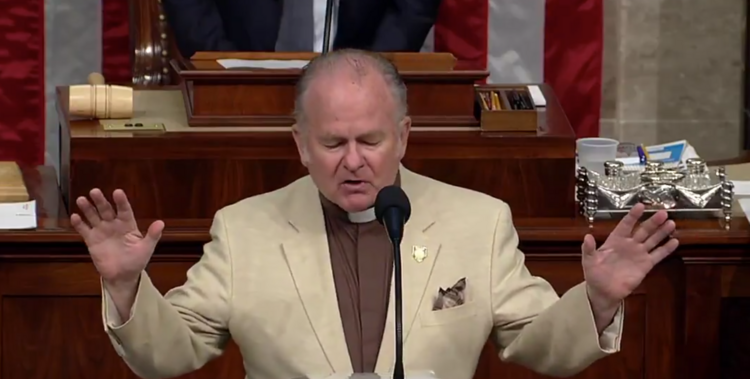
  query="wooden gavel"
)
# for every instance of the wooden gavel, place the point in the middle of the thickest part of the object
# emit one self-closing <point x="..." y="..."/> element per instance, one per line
<point x="99" y="100"/>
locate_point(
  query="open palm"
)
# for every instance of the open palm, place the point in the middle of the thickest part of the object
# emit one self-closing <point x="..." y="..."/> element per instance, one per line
<point x="617" y="268"/>
<point x="118" y="249"/>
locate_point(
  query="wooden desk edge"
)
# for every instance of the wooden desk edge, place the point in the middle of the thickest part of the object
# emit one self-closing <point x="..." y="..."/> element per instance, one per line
<point x="530" y="231"/>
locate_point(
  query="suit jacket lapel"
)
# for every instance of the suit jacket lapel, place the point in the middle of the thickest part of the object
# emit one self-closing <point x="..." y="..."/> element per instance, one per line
<point x="306" y="252"/>
<point x="416" y="274"/>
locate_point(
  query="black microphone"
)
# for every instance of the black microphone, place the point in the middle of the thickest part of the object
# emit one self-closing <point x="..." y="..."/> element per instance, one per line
<point x="327" y="27"/>
<point x="392" y="209"/>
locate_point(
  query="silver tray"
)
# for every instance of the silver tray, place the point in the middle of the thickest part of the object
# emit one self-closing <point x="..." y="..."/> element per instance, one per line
<point x="690" y="191"/>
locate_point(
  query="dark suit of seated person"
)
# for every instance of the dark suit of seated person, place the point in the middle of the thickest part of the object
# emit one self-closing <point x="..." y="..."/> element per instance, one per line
<point x="297" y="25"/>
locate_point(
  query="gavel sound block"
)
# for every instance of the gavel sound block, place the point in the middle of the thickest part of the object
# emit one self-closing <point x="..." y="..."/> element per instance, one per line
<point x="99" y="100"/>
<point x="12" y="187"/>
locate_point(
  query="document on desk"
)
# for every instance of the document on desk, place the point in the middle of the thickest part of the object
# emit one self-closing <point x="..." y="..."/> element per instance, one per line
<point x="268" y="64"/>
<point x="741" y="187"/>
<point x="15" y="216"/>
<point x="745" y="205"/>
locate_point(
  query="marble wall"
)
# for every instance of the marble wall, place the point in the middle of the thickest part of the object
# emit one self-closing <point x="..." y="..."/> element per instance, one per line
<point x="673" y="69"/>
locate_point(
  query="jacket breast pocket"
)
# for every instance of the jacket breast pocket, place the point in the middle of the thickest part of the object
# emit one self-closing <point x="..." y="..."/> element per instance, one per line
<point x="462" y="312"/>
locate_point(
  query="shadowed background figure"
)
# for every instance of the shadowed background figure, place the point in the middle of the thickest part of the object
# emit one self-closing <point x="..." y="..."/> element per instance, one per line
<point x="297" y="25"/>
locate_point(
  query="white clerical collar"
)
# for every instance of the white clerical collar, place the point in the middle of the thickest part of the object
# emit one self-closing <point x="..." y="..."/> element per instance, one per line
<point x="362" y="217"/>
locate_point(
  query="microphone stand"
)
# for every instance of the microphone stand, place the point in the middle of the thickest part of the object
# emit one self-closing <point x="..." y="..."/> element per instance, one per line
<point x="398" y="370"/>
<point x="328" y="26"/>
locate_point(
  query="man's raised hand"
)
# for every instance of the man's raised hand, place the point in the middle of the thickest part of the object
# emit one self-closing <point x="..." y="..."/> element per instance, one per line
<point x="118" y="249"/>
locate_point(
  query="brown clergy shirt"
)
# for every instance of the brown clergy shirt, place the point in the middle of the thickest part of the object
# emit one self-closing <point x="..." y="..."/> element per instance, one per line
<point x="362" y="263"/>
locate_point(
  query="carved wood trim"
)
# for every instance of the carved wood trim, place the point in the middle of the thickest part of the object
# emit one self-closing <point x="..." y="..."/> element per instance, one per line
<point x="151" y="42"/>
<point x="746" y="87"/>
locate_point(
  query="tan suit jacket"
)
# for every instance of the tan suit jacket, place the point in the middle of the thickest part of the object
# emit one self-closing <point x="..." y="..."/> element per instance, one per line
<point x="266" y="280"/>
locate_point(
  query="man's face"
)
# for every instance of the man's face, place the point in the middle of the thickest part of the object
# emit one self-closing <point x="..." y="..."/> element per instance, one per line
<point x="351" y="143"/>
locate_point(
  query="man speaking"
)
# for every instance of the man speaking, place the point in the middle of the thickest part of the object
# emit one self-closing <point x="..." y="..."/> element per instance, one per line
<point x="298" y="25"/>
<point x="301" y="277"/>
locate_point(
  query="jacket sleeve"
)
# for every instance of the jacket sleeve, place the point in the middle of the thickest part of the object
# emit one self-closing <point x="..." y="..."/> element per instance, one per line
<point x="405" y="25"/>
<point x="535" y="328"/>
<point x="197" y="26"/>
<point x="171" y="335"/>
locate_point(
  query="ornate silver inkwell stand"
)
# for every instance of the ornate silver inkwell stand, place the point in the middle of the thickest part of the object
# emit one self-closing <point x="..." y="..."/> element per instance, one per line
<point x="692" y="191"/>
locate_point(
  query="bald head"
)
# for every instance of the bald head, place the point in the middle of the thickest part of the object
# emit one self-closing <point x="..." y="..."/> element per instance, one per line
<point x="350" y="76"/>
<point x="352" y="128"/>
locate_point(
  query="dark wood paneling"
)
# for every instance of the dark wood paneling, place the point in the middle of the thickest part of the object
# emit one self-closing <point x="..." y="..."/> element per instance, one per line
<point x="746" y="88"/>
<point x="193" y="174"/>
<point x="717" y="312"/>
<point x="52" y="326"/>
<point x="734" y="345"/>
<point x="196" y="188"/>
<point x="685" y="321"/>
<point x="51" y="315"/>
<point x="50" y="295"/>
<point x="676" y="323"/>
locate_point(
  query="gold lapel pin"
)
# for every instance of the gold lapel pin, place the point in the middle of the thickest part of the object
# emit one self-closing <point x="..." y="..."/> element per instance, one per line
<point x="419" y="253"/>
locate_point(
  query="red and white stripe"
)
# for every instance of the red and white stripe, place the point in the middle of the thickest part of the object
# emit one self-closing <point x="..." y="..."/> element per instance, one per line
<point x="559" y="42"/>
<point x="44" y="44"/>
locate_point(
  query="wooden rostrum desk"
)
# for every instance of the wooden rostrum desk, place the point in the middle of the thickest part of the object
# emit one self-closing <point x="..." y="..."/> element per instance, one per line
<point x="190" y="172"/>
<point x="688" y="320"/>
<point x="227" y="137"/>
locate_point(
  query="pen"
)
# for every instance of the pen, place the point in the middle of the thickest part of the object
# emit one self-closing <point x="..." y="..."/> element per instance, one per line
<point x="483" y="98"/>
<point x="495" y="101"/>
<point x="642" y="154"/>
<point x="645" y="153"/>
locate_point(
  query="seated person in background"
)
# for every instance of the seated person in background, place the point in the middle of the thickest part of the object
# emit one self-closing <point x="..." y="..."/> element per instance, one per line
<point x="297" y="25"/>
<point x="300" y="277"/>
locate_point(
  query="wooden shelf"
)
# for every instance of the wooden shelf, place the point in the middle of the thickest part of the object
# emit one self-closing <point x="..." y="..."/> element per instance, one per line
<point x="215" y="96"/>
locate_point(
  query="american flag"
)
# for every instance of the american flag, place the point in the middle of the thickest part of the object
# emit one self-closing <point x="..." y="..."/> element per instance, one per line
<point x="44" y="44"/>
<point x="559" y="42"/>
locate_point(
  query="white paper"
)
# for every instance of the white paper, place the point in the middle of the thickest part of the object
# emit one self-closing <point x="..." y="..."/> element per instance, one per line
<point x="14" y="216"/>
<point x="267" y="64"/>
<point x="689" y="153"/>
<point x="741" y="187"/>
<point x="633" y="163"/>
<point x="745" y="205"/>
<point x="537" y="97"/>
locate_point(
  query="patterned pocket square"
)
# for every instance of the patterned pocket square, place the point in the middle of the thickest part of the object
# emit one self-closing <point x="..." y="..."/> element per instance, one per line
<point x="451" y="297"/>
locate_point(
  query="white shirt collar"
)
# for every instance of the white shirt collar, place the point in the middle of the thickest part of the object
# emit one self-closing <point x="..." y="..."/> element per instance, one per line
<point x="362" y="217"/>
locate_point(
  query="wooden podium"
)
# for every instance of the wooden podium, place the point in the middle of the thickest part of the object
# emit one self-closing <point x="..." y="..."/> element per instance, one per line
<point x="689" y="315"/>
<point x="226" y="136"/>
<point x="214" y="95"/>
